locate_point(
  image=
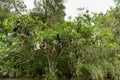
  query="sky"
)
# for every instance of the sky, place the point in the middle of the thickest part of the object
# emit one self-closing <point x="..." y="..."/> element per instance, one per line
<point x="96" y="6"/>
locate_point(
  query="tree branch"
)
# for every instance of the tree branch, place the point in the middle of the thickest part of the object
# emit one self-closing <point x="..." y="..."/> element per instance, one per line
<point x="16" y="8"/>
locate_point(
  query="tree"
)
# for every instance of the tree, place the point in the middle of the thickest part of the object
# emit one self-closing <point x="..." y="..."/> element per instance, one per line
<point x="117" y="1"/>
<point x="4" y="13"/>
<point x="8" y="7"/>
<point x="49" y="11"/>
<point x="15" y="6"/>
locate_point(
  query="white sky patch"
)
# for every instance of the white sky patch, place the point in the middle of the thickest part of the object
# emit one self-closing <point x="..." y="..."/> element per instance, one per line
<point x="72" y="5"/>
<point x="29" y="3"/>
<point x="92" y="5"/>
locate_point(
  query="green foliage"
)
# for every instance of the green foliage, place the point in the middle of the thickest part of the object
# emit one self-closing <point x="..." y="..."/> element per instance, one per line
<point x="49" y="11"/>
<point x="14" y="6"/>
<point x="87" y="48"/>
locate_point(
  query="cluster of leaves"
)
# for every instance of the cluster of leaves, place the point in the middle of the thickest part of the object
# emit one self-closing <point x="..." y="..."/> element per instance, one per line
<point x="87" y="48"/>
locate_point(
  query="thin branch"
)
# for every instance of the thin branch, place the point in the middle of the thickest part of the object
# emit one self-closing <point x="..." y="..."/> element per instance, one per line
<point x="16" y="8"/>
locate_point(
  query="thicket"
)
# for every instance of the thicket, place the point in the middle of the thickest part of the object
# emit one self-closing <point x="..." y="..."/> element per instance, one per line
<point x="86" y="48"/>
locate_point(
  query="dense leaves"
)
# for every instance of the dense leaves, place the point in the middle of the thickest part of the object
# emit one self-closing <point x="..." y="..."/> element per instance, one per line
<point x="49" y="11"/>
<point x="87" y="48"/>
